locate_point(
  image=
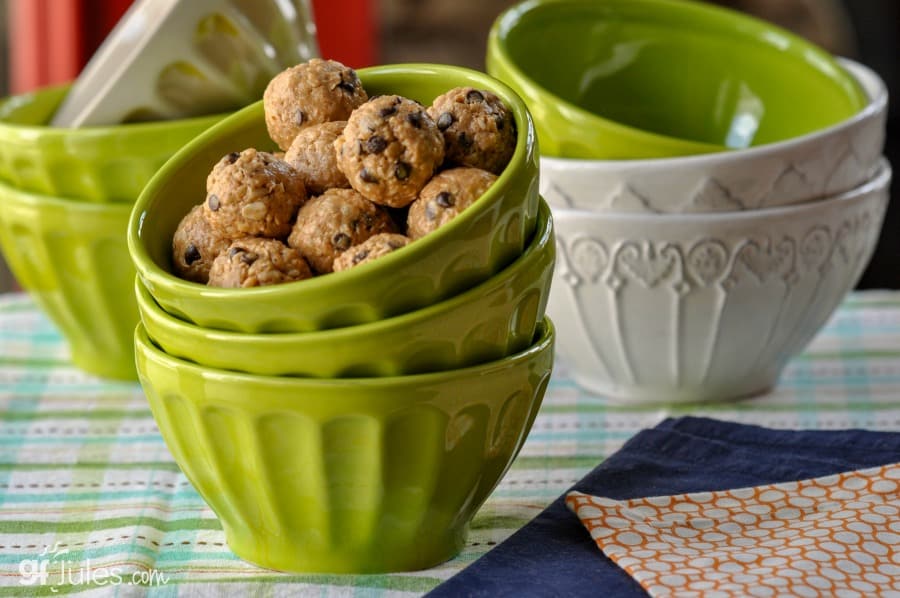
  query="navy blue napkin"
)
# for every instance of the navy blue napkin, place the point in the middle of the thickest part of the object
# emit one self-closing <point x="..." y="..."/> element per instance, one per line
<point x="554" y="555"/>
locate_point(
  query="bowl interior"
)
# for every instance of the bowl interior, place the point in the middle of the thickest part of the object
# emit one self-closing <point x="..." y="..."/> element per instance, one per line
<point x="32" y="109"/>
<point x="678" y="69"/>
<point x="72" y="259"/>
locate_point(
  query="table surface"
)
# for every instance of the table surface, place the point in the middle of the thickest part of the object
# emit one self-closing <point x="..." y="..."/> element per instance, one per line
<point x="88" y="487"/>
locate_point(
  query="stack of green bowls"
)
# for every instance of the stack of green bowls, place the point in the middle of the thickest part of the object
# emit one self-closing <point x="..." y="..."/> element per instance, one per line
<point x="354" y="422"/>
<point x="65" y="199"/>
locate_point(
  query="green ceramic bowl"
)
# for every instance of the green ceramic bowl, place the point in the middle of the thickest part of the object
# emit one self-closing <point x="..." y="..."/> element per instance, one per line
<point x="481" y="241"/>
<point x="364" y="475"/>
<point x="98" y="164"/>
<point x="71" y="256"/>
<point x="487" y="322"/>
<point x="614" y="79"/>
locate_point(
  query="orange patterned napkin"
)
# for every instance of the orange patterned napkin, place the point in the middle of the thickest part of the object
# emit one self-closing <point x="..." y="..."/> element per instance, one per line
<point x="837" y="535"/>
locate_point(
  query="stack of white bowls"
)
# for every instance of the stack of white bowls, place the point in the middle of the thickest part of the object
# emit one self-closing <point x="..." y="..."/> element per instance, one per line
<point x="697" y="278"/>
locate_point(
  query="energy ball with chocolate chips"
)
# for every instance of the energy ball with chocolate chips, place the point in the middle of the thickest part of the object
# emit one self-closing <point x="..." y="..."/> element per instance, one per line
<point x="370" y="249"/>
<point x="256" y="262"/>
<point x="389" y="149"/>
<point x="195" y="245"/>
<point x="312" y="155"/>
<point x="444" y="197"/>
<point x="310" y="93"/>
<point x="479" y="130"/>
<point x="252" y="194"/>
<point x="335" y="221"/>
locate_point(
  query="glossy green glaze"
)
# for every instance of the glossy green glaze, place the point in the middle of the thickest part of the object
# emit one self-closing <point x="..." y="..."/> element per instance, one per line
<point x="71" y="257"/>
<point x="364" y="475"/>
<point x="481" y="241"/>
<point x="495" y="319"/>
<point x="97" y="164"/>
<point x="611" y="79"/>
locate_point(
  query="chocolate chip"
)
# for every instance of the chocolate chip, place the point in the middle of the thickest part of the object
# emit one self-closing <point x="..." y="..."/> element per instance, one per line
<point x="299" y="117"/>
<point x="388" y="111"/>
<point x="444" y="199"/>
<point x="213" y="202"/>
<point x="191" y="254"/>
<point x="341" y="241"/>
<point x="375" y="144"/>
<point x="348" y="85"/>
<point x="402" y="171"/>
<point x="367" y="177"/>
<point x="500" y="123"/>
<point x="360" y="256"/>
<point x="234" y="251"/>
<point x="474" y="96"/>
<point x="415" y="119"/>
<point x="444" y="121"/>
<point x="464" y="141"/>
<point x="233" y="157"/>
<point x="249" y="258"/>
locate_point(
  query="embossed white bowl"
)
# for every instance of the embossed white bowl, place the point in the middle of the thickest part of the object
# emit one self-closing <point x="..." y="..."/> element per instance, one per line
<point x="820" y="164"/>
<point x="698" y="307"/>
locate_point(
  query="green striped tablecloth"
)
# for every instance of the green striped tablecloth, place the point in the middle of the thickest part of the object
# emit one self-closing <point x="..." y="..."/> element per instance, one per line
<point x="89" y="491"/>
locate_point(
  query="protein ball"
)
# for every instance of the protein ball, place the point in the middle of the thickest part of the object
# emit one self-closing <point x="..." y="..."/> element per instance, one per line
<point x="446" y="196"/>
<point x="371" y="249"/>
<point x="310" y="93"/>
<point x="333" y="222"/>
<point x="252" y="194"/>
<point x="479" y="130"/>
<point x="389" y="149"/>
<point x="256" y="262"/>
<point x="313" y="156"/>
<point x="195" y="245"/>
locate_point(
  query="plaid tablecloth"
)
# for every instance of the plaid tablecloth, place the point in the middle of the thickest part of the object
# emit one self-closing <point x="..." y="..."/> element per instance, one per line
<point x="92" y="502"/>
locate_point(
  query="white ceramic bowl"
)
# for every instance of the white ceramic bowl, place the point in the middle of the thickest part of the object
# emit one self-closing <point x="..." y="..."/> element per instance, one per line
<point x="697" y="307"/>
<point x="820" y="164"/>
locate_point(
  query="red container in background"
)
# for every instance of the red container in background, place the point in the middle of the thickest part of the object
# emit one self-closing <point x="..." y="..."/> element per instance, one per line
<point x="50" y="41"/>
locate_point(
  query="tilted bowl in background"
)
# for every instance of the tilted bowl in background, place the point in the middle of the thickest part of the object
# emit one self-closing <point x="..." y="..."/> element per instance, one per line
<point x="364" y="475"/>
<point x="490" y="321"/>
<point x="696" y="307"/>
<point x="818" y="164"/>
<point x="618" y="79"/>
<point x="99" y="164"/>
<point x="72" y="258"/>
<point x="479" y="242"/>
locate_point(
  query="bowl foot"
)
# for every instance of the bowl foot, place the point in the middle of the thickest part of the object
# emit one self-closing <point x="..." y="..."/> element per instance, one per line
<point x="381" y="555"/>
<point x="114" y="367"/>
<point x="660" y="394"/>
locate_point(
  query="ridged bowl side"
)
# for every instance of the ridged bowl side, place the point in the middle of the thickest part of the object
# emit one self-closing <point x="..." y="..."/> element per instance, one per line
<point x="95" y="164"/>
<point x="345" y="476"/>
<point x="72" y="258"/>
<point x="681" y="308"/>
